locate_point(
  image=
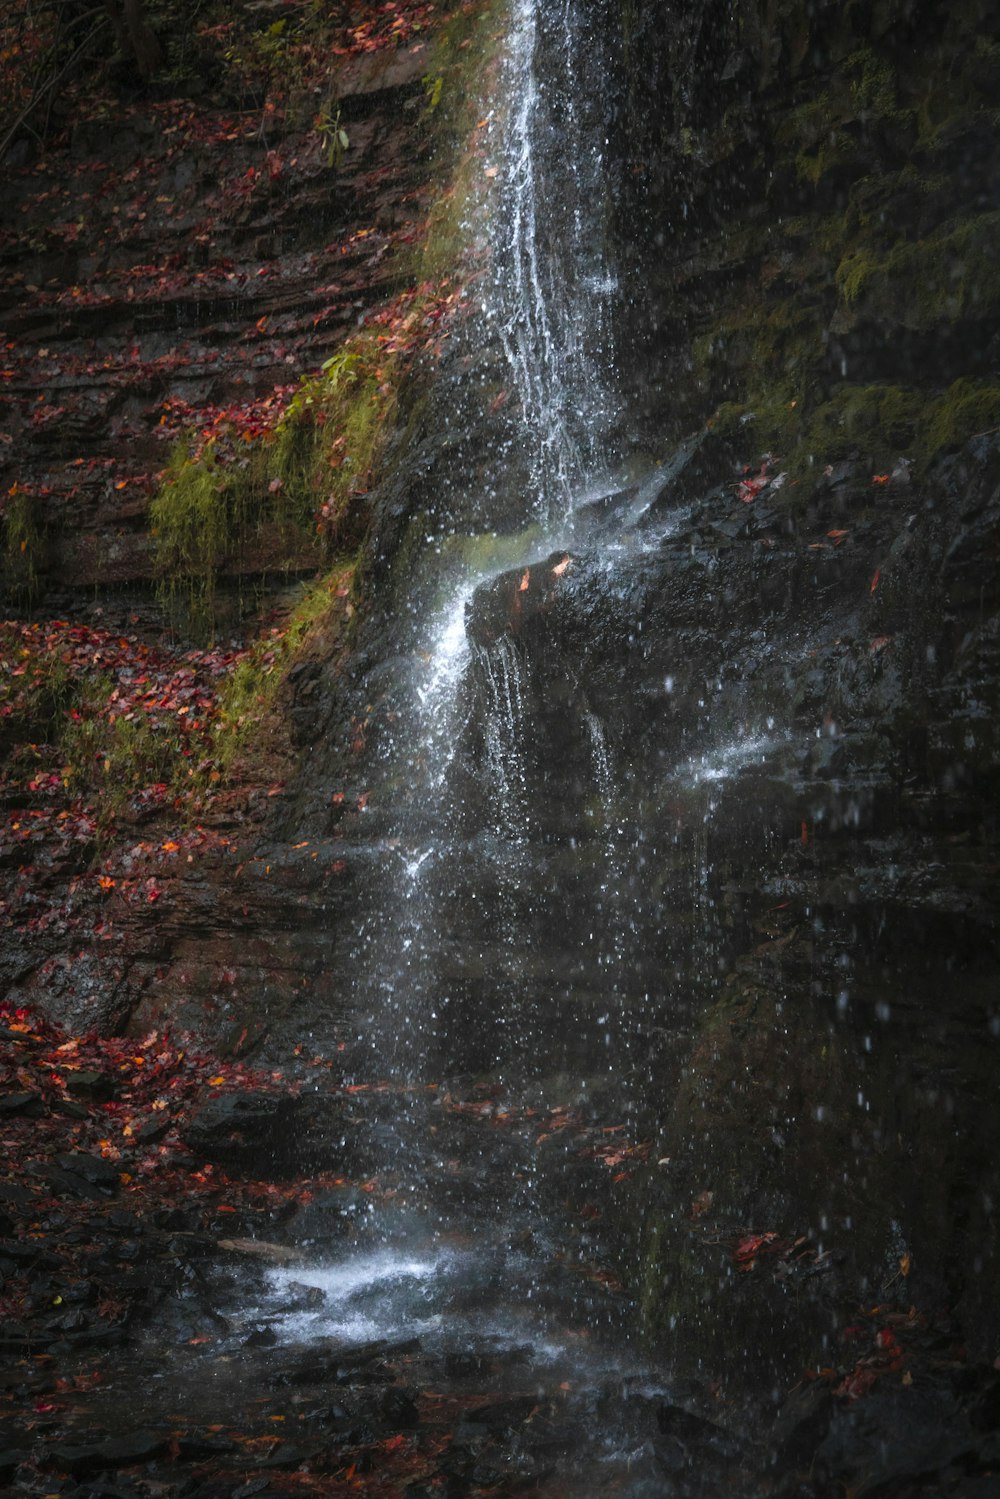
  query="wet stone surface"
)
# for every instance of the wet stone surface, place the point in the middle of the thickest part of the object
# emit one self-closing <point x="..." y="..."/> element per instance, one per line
<point x="194" y="1331"/>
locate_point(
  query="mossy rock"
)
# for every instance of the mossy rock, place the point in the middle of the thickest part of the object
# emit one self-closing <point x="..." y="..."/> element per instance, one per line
<point x="947" y="278"/>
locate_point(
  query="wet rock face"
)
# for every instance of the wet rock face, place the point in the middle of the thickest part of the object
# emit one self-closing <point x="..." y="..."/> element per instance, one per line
<point x="803" y="716"/>
<point x="169" y="264"/>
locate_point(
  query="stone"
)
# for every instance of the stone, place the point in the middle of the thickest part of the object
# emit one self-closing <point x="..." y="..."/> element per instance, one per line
<point x="267" y="1131"/>
<point x="29" y="1104"/>
<point x="91" y="1168"/>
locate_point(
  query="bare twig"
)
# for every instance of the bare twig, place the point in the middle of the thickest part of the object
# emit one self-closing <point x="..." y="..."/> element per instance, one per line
<point x="45" y="90"/>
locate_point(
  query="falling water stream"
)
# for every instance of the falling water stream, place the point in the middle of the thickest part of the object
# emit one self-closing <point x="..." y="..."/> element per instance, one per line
<point x="597" y="1018"/>
<point x="479" y="962"/>
<point x="508" y="1005"/>
<point x="410" y="1269"/>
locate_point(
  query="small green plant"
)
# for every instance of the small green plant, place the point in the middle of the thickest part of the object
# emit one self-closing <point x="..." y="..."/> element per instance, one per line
<point x="263" y="61"/>
<point x="188" y="523"/>
<point x="110" y="759"/>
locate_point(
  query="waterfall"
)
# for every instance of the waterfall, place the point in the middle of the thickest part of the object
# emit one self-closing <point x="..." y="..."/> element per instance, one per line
<point x="449" y="971"/>
<point x="502" y="670"/>
<point x="546" y="306"/>
<point x="612" y="880"/>
<point x="551" y="292"/>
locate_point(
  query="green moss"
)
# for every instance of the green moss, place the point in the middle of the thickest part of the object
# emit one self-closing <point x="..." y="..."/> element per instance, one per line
<point x="109" y="757"/>
<point x="781" y="338"/>
<point x="307" y="482"/>
<point x="966" y="408"/>
<point x="326" y="447"/>
<point x="22" y="548"/>
<point x="884" y="422"/>
<point x="948" y="276"/>
<point x="248" y="695"/>
<point x="491" y="551"/>
<point x="462" y="57"/>
<point x="872" y="84"/>
<point x="214" y="505"/>
<point x="189" y="526"/>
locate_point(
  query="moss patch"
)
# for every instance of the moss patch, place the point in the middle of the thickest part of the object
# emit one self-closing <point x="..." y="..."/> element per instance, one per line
<point x="882" y="422"/>
<point x="21" y="558"/>
<point x="946" y="278"/>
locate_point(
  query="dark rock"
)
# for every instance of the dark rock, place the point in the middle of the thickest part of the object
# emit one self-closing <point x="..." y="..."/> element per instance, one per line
<point x="10" y="1461"/>
<point x="14" y="1193"/>
<point x="136" y="1447"/>
<point x="895" y="1435"/>
<point x="104" y="1490"/>
<point x="28" y="1104"/>
<point x="195" y="1448"/>
<point x="329" y="1216"/>
<point x="67" y="1183"/>
<point x="265" y="1130"/>
<point x="260" y="1337"/>
<point x="153" y="1129"/>
<point x="286" y="1456"/>
<point x="253" y="1487"/>
<point x="122" y="1221"/>
<point x="303" y="1298"/>
<point x="92" y="1168"/>
<point x="688" y="1427"/>
<point x="70" y="1109"/>
<point x="24" y="1253"/>
<point x="99" y="1087"/>
<point x="505" y="1414"/>
<point x="804" y="1419"/>
<point x="398" y="1410"/>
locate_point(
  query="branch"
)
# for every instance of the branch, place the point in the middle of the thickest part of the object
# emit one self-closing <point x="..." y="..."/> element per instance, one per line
<point x="45" y="90"/>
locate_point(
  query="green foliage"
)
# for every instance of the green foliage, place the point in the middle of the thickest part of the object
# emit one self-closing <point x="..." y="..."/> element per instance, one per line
<point x="189" y="523"/>
<point x="333" y="137"/>
<point x="248" y="694"/>
<point x="967" y="408"/>
<point x="328" y="442"/>
<point x="21" y="558"/>
<point x="262" y="61"/>
<point x="947" y="276"/>
<point x="110" y="758"/>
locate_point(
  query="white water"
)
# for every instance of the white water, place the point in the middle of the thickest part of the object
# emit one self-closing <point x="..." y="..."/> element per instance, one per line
<point x="390" y="1293"/>
<point x="547" y="304"/>
<point x="551" y="292"/>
